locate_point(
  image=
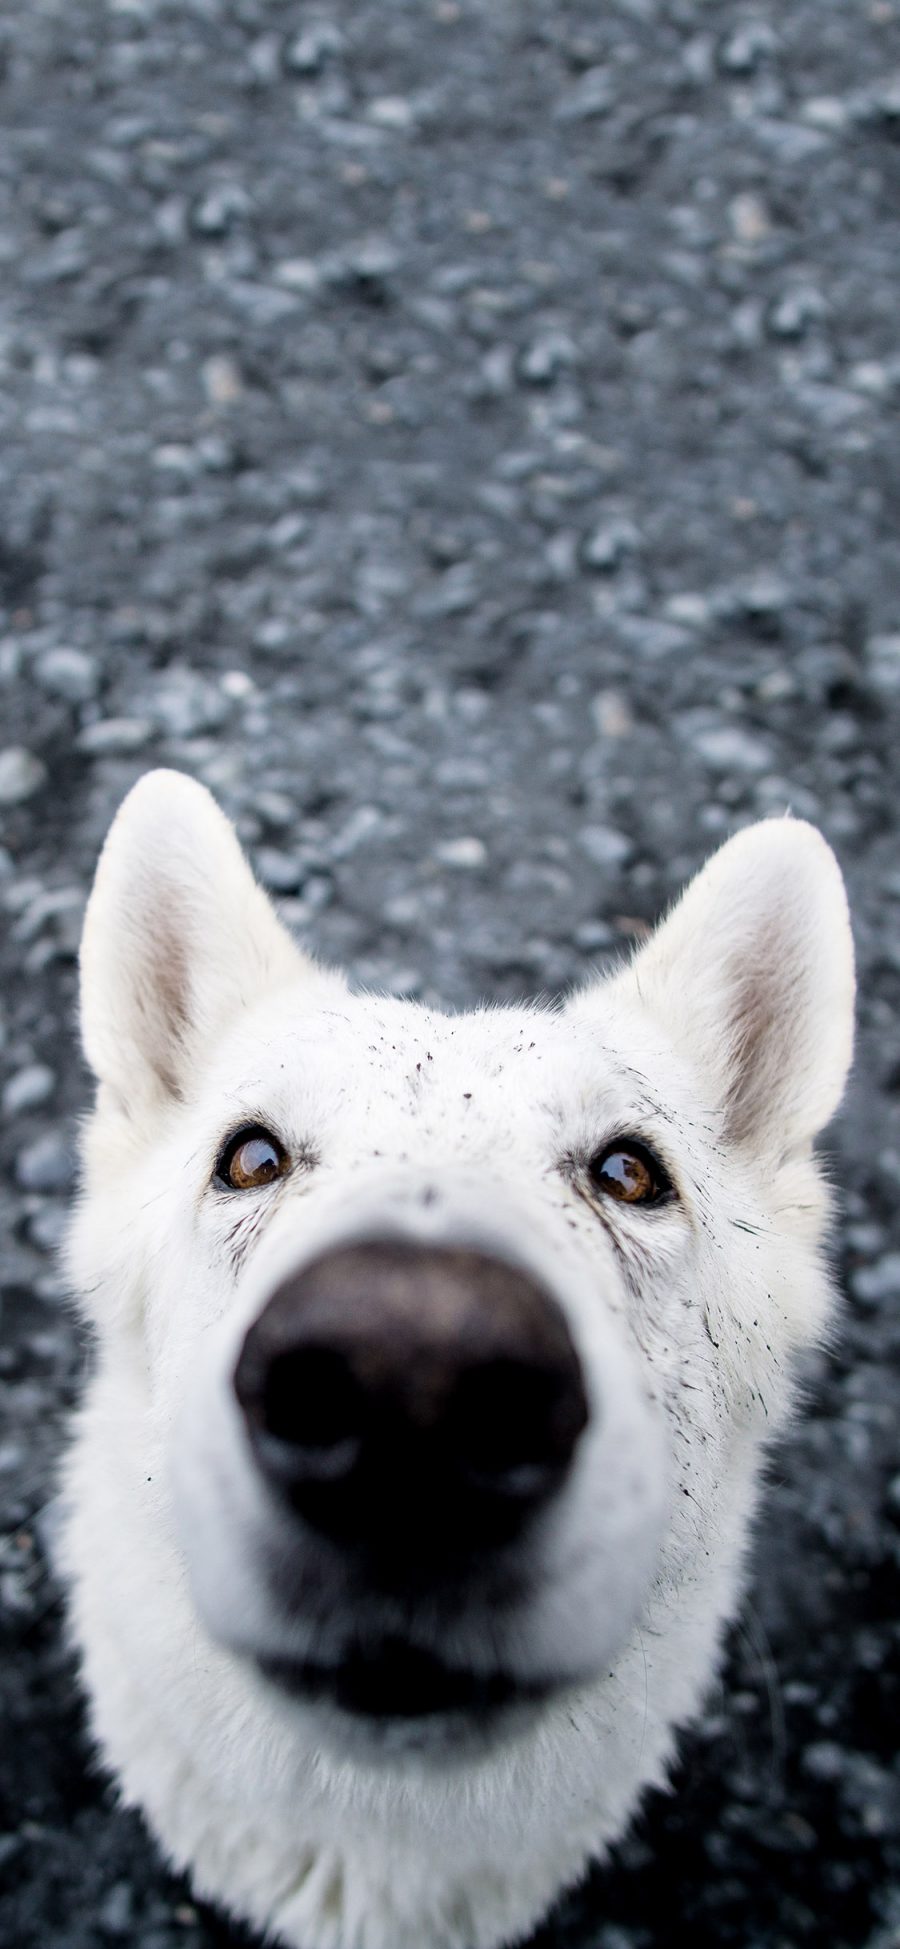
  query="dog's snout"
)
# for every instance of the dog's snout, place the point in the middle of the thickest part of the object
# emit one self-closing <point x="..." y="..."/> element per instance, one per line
<point x="415" y="1401"/>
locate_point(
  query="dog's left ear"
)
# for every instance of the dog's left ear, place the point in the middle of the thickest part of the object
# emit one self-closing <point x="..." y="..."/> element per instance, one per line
<point x="752" y="975"/>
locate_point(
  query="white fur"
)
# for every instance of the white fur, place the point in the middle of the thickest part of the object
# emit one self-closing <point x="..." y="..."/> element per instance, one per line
<point x="725" y="1044"/>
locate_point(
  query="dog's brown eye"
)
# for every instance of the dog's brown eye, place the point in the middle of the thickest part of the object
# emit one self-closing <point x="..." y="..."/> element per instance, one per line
<point x="631" y="1173"/>
<point x="251" y="1158"/>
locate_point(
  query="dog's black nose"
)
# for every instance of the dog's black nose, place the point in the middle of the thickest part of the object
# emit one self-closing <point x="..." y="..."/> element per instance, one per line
<point x="416" y="1402"/>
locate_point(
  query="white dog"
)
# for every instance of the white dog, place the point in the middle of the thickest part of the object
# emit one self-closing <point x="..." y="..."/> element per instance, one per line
<point x="436" y="1360"/>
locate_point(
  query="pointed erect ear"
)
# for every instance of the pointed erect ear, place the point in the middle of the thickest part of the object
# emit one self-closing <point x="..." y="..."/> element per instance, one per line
<point x="177" y="937"/>
<point x="752" y="976"/>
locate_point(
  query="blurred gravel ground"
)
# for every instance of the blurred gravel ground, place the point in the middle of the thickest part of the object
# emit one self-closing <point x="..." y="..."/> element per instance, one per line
<point x="466" y="436"/>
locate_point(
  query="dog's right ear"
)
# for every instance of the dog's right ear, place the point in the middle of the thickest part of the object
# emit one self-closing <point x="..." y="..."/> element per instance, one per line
<point x="176" y="938"/>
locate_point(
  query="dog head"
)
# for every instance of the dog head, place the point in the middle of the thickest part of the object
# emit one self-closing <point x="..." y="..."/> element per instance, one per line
<point x="449" y="1342"/>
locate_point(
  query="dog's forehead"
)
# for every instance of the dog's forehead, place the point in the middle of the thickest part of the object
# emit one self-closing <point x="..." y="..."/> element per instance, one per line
<point x="394" y="1044"/>
<point x="379" y="1053"/>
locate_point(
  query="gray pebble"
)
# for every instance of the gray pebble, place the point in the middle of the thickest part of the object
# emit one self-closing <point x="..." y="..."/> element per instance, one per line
<point x="56" y="912"/>
<point x="275" y="634"/>
<point x="593" y="936"/>
<point x="12" y="1457"/>
<point x="606" y="547"/>
<point x="301" y="274"/>
<point x="27" y="1089"/>
<point x="462" y="774"/>
<point x="789" y="143"/>
<point x="391" y="112"/>
<point x="795" y="311"/>
<point x="466" y="853"/>
<point x="318" y="891"/>
<point x="11" y="1845"/>
<point x="49" y="1525"/>
<point x="372" y="260"/>
<point x="832" y="407"/>
<point x="264" y="59"/>
<point x="763" y="594"/>
<point x="47" y="1164"/>
<point x="361" y="826"/>
<point x="307" y="53"/>
<point x="21" y="775"/>
<point x="217" y="211"/>
<point x="278" y="870"/>
<point x="184" y="703"/>
<point x="650" y="636"/>
<point x="875" y="377"/>
<point x="560" y="555"/>
<point x="115" y="736"/>
<point x="690" y="609"/>
<point x="276" y="808"/>
<point x="546" y="358"/>
<point x="825" y="112"/>
<point x="746" y="47"/>
<point x="68" y="673"/>
<point x="866" y="1238"/>
<point x="115" y="1914"/>
<point x="593" y="95"/>
<point x="451" y="594"/>
<point x="729" y="748"/>
<point x="883" y="662"/>
<point x="880" y="1281"/>
<point x="48" y="1225"/>
<point x="604" y="845"/>
<point x="824" y="1760"/>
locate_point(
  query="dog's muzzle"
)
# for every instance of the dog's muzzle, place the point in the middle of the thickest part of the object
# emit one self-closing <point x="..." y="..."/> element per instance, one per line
<point x="418" y="1481"/>
<point x="416" y="1404"/>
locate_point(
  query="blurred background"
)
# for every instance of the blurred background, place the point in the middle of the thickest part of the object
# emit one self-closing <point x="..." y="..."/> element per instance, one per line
<point x="463" y="433"/>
